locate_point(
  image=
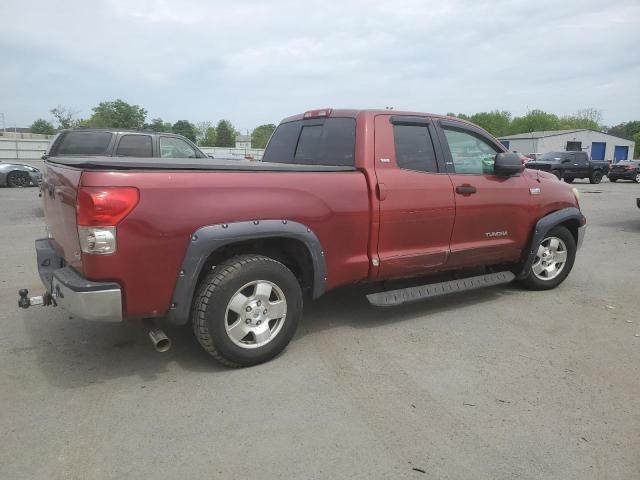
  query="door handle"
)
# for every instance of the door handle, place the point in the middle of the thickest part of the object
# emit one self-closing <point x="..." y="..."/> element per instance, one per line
<point x="466" y="189"/>
<point x="381" y="190"/>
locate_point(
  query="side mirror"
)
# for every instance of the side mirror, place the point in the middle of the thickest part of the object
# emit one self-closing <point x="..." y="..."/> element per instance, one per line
<point x="508" y="164"/>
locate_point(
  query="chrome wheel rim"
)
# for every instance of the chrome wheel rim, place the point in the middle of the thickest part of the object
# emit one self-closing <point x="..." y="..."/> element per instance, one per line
<point x="551" y="258"/>
<point x="255" y="314"/>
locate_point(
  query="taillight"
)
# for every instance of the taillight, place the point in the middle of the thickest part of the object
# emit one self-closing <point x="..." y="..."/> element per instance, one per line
<point x="629" y="167"/>
<point x="105" y="206"/>
<point x="98" y="211"/>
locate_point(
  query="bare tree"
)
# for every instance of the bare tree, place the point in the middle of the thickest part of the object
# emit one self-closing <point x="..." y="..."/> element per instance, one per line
<point x="65" y="116"/>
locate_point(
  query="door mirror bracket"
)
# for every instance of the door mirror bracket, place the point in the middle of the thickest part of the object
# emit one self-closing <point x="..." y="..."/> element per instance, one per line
<point x="508" y="164"/>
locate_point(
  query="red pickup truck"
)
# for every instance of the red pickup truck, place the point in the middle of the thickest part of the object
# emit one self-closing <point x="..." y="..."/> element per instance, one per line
<point x="342" y="197"/>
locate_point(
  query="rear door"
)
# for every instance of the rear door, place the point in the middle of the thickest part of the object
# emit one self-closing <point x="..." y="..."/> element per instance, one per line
<point x="415" y="195"/>
<point x="494" y="215"/>
<point x="580" y="166"/>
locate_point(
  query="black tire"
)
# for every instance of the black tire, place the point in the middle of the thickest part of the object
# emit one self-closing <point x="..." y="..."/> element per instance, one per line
<point x="532" y="282"/>
<point x="613" y="180"/>
<point x="596" y="177"/>
<point x="569" y="180"/>
<point x="217" y="288"/>
<point x="18" y="179"/>
<point x="636" y="179"/>
<point x="557" y="174"/>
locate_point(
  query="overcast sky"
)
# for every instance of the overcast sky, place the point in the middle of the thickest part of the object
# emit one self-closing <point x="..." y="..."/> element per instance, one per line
<point x="257" y="62"/>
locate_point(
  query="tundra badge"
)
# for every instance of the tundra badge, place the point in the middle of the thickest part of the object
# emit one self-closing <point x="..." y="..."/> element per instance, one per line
<point x="502" y="233"/>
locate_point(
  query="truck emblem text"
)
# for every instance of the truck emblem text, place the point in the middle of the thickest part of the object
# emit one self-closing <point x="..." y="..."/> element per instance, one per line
<point x="502" y="233"/>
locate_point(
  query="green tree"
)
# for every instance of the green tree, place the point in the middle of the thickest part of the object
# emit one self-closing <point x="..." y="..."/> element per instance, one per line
<point x="201" y="131"/>
<point x="589" y="118"/>
<point x="625" y="130"/>
<point x="534" y="121"/>
<point x="209" y="139"/>
<point x="158" y="125"/>
<point x="117" y="114"/>
<point x="42" y="127"/>
<point x="185" y="128"/>
<point x="636" y="149"/>
<point x="496" y="122"/>
<point x="65" y="116"/>
<point x="260" y="135"/>
<point x="225" y="134"/>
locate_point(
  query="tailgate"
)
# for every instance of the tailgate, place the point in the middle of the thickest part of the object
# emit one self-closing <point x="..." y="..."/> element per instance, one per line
<point x="59" y="189"/>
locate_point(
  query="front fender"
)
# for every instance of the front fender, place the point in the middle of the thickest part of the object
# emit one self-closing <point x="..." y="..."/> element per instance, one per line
<point x="543" y="226"/>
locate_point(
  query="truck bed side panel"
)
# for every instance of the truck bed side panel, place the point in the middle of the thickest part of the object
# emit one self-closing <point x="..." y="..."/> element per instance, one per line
<point x="152" y="240"/>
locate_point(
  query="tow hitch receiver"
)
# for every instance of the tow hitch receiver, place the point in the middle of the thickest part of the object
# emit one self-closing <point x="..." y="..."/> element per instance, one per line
<point x="26" y="301"/>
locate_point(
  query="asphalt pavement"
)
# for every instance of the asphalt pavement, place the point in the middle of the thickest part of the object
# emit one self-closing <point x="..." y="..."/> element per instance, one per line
<point x="493" y="384"/>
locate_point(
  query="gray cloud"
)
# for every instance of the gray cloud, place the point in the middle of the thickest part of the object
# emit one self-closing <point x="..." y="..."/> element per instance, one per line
<point x="256" y="62"/>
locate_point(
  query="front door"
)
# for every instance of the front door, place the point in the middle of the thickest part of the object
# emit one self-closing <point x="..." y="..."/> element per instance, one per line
<point x="415" y="195"/>
<point x="494" y="215"/>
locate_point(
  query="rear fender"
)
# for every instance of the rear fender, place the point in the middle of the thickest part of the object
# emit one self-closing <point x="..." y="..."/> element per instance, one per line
<point x="207" y="240"/>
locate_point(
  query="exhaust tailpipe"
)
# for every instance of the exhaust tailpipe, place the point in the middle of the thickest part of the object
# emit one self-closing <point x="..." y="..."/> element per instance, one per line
<point x="159" y="339"/>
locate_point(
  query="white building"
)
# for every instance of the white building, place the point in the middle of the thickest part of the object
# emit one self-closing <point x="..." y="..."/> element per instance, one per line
<point x="599" y="146"/>
<point x="243" y="141"/>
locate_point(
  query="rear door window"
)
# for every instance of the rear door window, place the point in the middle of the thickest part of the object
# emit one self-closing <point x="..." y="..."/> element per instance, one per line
<point x="84" y="143"/>
<point x="328" y="142"/>
<point x="414" y="148"/>
<point x="135" y="146"/>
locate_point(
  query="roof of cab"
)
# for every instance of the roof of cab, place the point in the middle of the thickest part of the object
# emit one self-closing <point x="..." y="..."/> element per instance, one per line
<point x="354" y="113"/>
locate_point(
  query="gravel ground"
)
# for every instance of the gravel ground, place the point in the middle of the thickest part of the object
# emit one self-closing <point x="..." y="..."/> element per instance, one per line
<point x="492" y="384"/>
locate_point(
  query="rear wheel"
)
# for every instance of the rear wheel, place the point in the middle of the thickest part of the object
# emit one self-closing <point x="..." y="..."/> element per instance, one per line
<point x="637" y="178"/>
<point x="596" y="177"/>
<point x="569" y="180"/>
<point x="557" y="174"/>
<point x="247" y="310"/>
<point x="18" y="179"/>
<point x="613" y="180"/>
<point x="553" y="262"/>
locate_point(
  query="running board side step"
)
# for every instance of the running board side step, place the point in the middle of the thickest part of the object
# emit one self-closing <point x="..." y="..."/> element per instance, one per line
<point x="392" y="298"/>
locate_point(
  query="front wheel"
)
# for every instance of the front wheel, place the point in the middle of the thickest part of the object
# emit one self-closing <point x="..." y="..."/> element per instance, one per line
<point x="554" y="260"/>
<point x="18" y="179"/>
<point x="596" y="177"/>
<point x="557" y="174"/>
<point x="613" y="180"/>
<point x="637" y="178"/>
<point x="569" y="180"/>
<point x="246" y="310"/>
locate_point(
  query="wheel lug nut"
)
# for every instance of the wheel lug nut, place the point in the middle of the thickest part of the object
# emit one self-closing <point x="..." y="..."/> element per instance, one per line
<point x="259" y="302"/>
<point x="248" y="309"/>
<point x="264" y="312"/>
<point x="258" y="322"/>
<point x="248" y="321"/>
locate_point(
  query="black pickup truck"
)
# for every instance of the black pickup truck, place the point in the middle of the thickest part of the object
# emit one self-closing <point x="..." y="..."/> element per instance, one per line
<point x="570" y="165"/>
<point x="111" y="142"/>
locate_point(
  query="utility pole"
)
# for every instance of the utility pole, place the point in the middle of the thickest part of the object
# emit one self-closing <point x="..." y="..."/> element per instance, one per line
<point x="4" y="128"/>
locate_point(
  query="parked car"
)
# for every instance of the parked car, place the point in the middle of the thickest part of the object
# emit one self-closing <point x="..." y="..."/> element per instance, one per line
<point x="625" y="170"/>
<point x="113" y="142"/>
<point x="342" y="197"/>
<point x="18" y="175"/>
<point x="571" y="165"/>
<point x="534" y="156"/>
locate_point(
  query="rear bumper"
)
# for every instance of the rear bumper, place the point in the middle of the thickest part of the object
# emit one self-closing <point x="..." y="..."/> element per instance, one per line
<point x="620" y="175"/>
<point x="99" y="301"/>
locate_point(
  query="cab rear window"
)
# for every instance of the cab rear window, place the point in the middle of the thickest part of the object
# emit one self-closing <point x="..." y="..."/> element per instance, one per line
<point x="83" y="143"/>
<point x="329" y="142"/>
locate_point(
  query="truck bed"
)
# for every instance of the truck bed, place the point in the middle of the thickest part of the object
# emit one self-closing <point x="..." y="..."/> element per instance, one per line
<point x="150" y="163"/>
